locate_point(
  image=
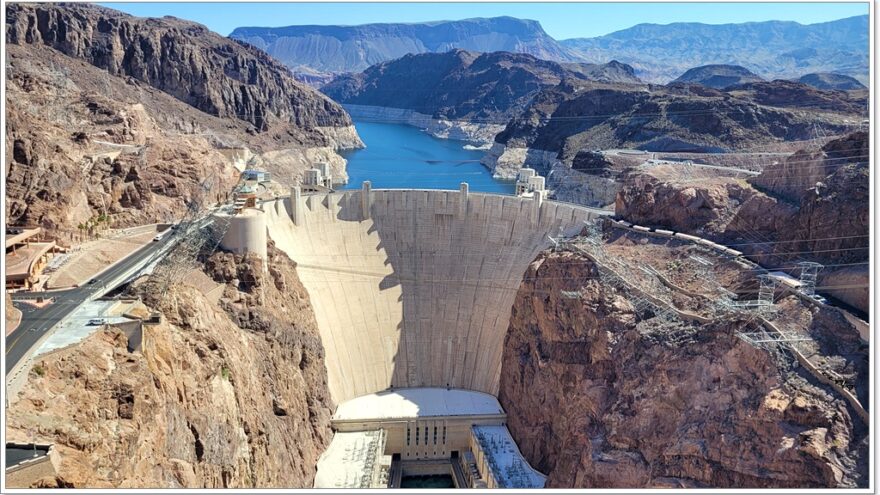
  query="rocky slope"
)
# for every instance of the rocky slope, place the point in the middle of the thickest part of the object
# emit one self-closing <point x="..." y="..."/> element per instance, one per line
<point x="718" y="76"/>
<point x="812" y="206"/>
<point x="829" y="80"/>
<point x="790" y="94"/>
<point x="222" y="395"/>
<point x="354" y="48"/>
<point x="460" y="87"/>
<point x="774" y="49"/>
<point x="575" y="116"/>
<point x="598" y="396"/>
<point x="109" y="114"/>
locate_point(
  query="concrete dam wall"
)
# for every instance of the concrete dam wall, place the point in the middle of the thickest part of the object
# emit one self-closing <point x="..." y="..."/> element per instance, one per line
<point x="414" y="288"/>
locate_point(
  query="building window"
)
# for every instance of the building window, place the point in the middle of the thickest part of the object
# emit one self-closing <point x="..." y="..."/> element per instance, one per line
<point x="407" y="436"/>
<point x="444" y="434"/>
<point x="426" y="438"/>
<point x="435" y="438"/>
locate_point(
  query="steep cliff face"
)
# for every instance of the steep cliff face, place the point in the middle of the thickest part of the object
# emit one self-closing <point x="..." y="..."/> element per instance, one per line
<point x="228" y="394"/>
<point x="181" y="58"/>
<point x="126" y="118"/>
<point x="797" y="176"/>
<point x="80" y="143"/>
<point x="597" y="397"/>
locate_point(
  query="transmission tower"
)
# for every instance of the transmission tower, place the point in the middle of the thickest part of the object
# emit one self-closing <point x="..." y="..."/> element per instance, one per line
<point x="197" y="235"/>
<point x="809" y="273"/>
<point x="766" y="290"/>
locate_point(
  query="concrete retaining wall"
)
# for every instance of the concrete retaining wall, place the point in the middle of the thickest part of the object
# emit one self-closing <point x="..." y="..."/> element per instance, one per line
<point x="819" y="375"/>
<point x="416" y="290"/>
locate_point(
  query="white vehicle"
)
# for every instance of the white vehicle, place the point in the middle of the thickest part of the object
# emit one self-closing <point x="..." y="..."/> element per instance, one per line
<point x="161" y="235"/>
<point x="97" y="321"/>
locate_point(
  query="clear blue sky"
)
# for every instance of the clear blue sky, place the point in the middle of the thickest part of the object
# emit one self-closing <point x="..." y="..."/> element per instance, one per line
<point x="560" y="20"/>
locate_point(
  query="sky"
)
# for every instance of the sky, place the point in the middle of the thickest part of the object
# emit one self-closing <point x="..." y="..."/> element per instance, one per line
<point x="560" y="20"/>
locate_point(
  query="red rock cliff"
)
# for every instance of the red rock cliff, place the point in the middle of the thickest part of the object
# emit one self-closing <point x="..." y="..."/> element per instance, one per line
<point x="596" y="399"/>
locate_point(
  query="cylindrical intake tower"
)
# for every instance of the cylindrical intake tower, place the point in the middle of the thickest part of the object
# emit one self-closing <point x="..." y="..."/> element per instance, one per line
<point x="246" y="232"/>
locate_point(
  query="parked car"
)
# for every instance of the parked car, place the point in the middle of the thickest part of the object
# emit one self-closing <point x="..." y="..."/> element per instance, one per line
<point x="97" y="321"/>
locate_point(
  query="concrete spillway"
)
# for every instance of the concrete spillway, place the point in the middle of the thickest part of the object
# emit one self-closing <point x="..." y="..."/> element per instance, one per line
<point x="414" y="288"/>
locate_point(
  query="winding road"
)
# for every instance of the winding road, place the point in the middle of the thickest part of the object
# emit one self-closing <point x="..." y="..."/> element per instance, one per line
<point x="35" y="322"/>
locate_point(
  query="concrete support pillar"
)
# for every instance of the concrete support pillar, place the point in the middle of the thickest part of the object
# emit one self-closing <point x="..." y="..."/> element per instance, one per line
<point x="537" y="199"/>
<point x="366" y="199"/>
<point x="462" y="200"/>
<point x="296" y="212"/>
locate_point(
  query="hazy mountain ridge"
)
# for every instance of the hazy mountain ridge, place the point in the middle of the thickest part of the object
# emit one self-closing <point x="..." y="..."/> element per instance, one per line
<point x="354" y="48"/>
<point x="772" y="49"/>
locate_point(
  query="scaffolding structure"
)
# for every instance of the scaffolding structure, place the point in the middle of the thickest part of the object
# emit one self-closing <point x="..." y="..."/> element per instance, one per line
<point x="809" y="274"/>
<point x="762" y="305"/>
<point x="765" y="337"/>
<point x="617" y="273"/>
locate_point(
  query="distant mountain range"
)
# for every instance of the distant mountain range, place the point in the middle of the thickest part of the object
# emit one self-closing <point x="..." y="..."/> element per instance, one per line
<point x="772" y="49"/>
<point x="659" y="53"/>
<point x="354" y="48"/>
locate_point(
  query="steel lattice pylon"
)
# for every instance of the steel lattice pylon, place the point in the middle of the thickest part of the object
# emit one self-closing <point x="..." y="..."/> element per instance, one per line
<point x="766" y="290"/>
<point x="809" y="273"/>
<point x="618" y="274"/>
<point x="197" y="234"/>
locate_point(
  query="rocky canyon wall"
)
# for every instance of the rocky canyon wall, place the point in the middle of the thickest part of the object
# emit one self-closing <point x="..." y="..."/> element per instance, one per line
<point x="127" y="118"/>
<point x="228" y="394"/>
<point x="597" y="399"/>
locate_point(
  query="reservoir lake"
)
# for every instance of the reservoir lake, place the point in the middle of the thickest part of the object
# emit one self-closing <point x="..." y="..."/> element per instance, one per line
<point x="399" y="156"/>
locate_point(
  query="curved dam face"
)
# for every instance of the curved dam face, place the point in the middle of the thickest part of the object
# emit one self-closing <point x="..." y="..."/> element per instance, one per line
<point x="414" y="288"/>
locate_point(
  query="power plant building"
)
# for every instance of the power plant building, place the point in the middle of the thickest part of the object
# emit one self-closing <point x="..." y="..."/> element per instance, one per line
<point x="529" y="184"/>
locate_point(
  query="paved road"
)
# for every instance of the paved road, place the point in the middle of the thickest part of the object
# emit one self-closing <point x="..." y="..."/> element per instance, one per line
<point x="17" y="455"/>
<point x="35" y="322"/>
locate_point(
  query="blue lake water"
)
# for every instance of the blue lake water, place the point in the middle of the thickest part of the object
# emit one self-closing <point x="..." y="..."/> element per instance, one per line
<point x="401" y="156"/>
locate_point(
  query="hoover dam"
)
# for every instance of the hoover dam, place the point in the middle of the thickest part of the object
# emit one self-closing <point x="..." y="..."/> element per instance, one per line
<point x="412" y="291"/>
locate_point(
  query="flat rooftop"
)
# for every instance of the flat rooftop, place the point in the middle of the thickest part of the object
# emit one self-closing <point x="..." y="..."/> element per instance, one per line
<point x="407" y="403"/>
<point x="351" y="460"/>
<point x="18" y="235"/>
<point x="509" y="467"/>
<point x="18" y="264"/>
